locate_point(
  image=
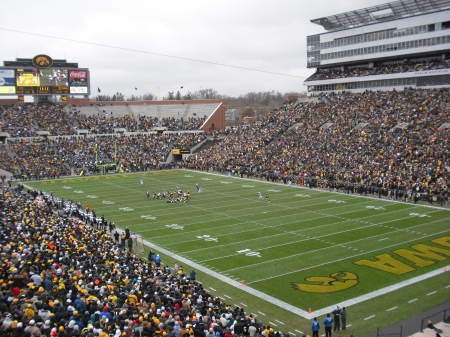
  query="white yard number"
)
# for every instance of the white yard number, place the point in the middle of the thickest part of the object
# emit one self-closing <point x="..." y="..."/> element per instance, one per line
<point x="248" y="252"/>
<point x="206" y="179"/>
<point x="225" y="182"/>
<point x="107" y="202"/>
<point x="420" y="215"/>
<point x="126" y="209"/>
<point x="148" y="217"/>
<point x="337" y="201"/>
<point x="78" y="191"/>
<point x="92" y="196"/>
<point x="273" y="191"/>
<point x="175" y="226"/>
<point x="303" y="195"/>
<point x="247" y="186"/>
<point x="207" y="238"/>
<point x="377" y="208"/>
<point x="67" y="187"/>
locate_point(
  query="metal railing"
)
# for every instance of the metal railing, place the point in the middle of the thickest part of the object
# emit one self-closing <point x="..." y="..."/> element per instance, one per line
<point x="383" y="334"/>
<point x="444" y="314"/>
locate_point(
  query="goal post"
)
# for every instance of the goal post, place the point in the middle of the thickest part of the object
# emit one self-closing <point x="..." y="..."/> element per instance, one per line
<point x="138" y="243"/>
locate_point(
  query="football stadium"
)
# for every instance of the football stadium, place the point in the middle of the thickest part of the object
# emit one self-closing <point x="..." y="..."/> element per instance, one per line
<point x="327" y="214"/>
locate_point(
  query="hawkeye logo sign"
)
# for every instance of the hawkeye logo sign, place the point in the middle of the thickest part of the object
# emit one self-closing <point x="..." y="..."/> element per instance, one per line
<point x="42" y="61"/>
<point x="402" y="261"/>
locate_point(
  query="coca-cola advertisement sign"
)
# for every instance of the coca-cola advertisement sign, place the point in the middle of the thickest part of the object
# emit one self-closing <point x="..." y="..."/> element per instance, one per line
<point x="81" y="74"/>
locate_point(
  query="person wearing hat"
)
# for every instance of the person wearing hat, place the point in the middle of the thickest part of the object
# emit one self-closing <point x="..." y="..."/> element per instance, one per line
<point x="32" y="329"/>
<point x="337" y="319"/>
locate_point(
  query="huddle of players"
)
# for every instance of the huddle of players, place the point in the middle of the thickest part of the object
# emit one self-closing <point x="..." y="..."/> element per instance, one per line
<point x="173" y="197"/>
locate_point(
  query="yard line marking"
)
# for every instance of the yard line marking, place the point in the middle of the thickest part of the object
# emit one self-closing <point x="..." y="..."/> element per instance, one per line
<point x="316" y="250"/>
<point x="383" y="239"/>
<point x="243" y="304"/>
<point x="293" y="334"/>
<point x="325" y="263"/>
<point x="272" y="324"/>
<point x="349" y="325"/>
<point x="261" y="313"/>
<point x="287" y="306"/>
<point x="300" y="332"/>
<point x="226" y="296"/>
<point x="412" y="300"/>
<point x="392" y="309"/>
<point x="447" y="286"/>
<point x="369" y="317"/>
<point x="212" y="289"/>
<point x="432" y="293"/>
<point x="279" y="321"/>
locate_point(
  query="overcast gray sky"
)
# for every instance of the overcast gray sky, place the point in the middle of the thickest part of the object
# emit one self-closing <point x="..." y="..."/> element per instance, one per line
<point x="268" y="35"/>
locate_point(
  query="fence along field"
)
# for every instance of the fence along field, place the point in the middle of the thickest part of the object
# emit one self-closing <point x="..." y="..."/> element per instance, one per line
<point x="305" y="248"/>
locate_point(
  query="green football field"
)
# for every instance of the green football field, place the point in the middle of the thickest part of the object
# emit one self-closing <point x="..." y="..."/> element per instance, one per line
<point x="286" y="261"/>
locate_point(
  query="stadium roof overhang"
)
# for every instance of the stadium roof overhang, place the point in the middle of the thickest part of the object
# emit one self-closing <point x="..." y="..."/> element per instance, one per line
<point x="386" y="12"/>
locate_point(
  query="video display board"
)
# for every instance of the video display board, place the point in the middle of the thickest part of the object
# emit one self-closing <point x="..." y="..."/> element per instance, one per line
<point x="48" y="81"/>
<point x="7" y="82"/>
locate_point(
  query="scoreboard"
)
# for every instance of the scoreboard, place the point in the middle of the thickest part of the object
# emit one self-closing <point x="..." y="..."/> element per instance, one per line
<point x="44" y="90"/>
<point x="32" y="79"/>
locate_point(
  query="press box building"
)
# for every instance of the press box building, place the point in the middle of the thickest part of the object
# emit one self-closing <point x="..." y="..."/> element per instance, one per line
<point x="366" y="48"/>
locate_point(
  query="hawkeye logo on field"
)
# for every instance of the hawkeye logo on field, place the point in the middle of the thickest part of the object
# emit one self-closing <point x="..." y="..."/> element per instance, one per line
<point x="328" y="284"/>
<point x="419" y="256"/>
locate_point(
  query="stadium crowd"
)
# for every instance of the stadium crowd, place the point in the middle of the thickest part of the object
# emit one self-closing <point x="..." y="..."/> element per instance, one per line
<point x="50" y="158"/>
<point x="382" y="69"/>
<point x="62" y="277"/>
<point x="27" y="120"/>
<point x="386" y="143"/>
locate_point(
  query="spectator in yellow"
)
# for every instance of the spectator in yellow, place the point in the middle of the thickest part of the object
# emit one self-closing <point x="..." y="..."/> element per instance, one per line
<point x="132" y="299"/>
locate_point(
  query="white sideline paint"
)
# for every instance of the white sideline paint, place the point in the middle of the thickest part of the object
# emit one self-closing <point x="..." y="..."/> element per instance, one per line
<point x="287" y="306"/>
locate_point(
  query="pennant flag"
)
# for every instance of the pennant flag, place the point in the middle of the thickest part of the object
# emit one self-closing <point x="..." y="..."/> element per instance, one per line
<point x="99" y="90"/>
